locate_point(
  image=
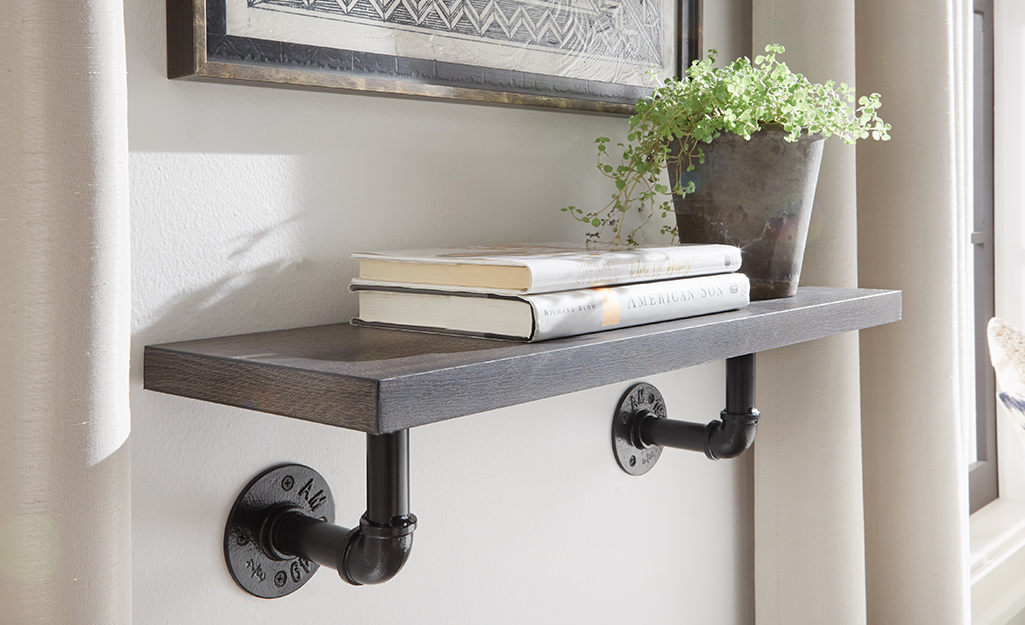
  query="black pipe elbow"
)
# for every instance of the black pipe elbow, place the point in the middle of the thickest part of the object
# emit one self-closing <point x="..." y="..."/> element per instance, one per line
<point x="735" y="432"/>
<point x="368" y="554"/>
<point x="731" y="436"/>
<point x="640" y="428"/>
<point x="373" y="553"/>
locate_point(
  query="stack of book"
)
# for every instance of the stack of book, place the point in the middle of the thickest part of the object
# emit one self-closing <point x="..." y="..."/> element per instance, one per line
<point x="541" y="292"/>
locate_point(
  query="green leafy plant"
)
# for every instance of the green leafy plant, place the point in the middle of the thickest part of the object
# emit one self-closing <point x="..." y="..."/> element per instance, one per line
<point x="742" y="97"/>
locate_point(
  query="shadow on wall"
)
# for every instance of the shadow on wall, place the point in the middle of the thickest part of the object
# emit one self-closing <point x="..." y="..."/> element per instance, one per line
<point x="224" y="244"/>
<point x="219" y="248"/>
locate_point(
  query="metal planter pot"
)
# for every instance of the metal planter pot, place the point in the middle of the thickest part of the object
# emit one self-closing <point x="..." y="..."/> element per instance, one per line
<point x="755" y="194"/>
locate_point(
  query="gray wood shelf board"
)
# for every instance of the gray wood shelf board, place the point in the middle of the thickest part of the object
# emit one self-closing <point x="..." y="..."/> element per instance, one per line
<point x="380" y="381"/>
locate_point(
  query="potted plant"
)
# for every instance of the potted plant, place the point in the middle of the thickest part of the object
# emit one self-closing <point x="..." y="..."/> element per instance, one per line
<point x="742" y="145"/>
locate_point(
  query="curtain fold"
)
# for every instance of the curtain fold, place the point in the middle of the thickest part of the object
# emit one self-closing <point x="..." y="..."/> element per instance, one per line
<point x="814" y="561"/>
<point x="911" y="194"/>
<point x="65" y="548"/>
<point x="809" y="531"/>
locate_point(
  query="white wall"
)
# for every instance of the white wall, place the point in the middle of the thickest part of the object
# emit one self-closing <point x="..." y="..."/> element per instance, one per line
<point x="246" y="202"/>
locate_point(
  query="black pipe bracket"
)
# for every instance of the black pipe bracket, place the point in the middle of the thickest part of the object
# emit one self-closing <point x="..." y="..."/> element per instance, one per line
<point x="281" y="528"/>
<point x="640" y="428"/>
<point x="254" y="563"/>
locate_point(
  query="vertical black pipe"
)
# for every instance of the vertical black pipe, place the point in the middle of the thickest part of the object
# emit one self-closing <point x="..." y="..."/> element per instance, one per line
<point x="740" y="384"/>
<point x="387" y="476"/>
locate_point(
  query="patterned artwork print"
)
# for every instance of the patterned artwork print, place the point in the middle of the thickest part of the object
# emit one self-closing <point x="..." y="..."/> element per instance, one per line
<point x="614" y="29"/>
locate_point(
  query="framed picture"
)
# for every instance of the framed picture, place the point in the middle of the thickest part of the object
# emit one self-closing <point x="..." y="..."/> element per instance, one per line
<point x="576" y="54"/>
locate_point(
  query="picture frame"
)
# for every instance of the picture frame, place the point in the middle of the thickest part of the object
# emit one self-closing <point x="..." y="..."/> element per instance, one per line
<point x="591" y="55"/>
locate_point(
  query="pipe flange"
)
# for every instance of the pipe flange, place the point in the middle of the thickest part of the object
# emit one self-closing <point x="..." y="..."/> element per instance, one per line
<point x="253" y="562"/>
<point x="640" y="400"/>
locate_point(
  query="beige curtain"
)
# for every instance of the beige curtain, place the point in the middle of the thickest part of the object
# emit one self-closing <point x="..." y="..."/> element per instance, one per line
<point x="815" y="561"/>
<point x="809" y="539"/>
<point x="65" y="550"/>
<point x="911" y="192"/>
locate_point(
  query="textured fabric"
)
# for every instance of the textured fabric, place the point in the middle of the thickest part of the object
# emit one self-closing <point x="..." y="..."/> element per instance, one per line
<point x="65" y="551"/>
<point x="809" y="534"/>
<point x="911" y="194"/>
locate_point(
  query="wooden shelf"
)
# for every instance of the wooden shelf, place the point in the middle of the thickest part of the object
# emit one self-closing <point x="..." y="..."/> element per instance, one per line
<point x="380" y="381"/>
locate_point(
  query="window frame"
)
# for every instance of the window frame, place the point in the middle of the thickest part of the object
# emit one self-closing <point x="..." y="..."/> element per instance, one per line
<point x="997" y="564"/>
<point x="983" y="474"/>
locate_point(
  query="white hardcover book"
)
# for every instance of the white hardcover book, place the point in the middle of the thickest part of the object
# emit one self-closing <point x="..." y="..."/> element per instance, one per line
<point x="540" y="268"/>
<point x="550" y="315"/>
